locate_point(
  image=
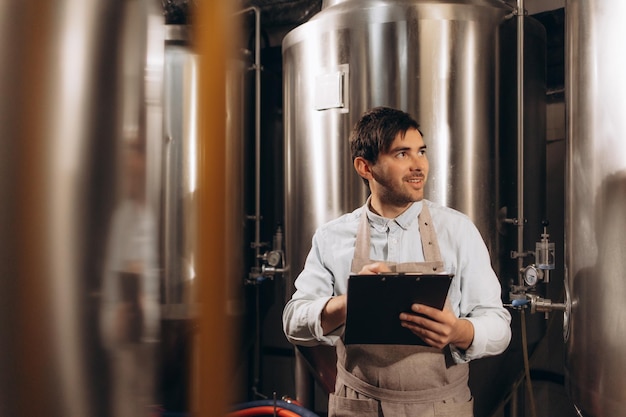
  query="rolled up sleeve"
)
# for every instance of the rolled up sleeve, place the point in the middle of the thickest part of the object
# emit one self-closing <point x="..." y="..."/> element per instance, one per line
<point x="479" y="300"/>
<point x="302" y="314"/>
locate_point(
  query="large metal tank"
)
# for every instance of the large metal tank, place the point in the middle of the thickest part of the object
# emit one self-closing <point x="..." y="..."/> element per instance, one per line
<point x="180" y="182"/>
<point x="595" y="204"/>
<point x="435" y="60"/>
<point x="81" y="98"/>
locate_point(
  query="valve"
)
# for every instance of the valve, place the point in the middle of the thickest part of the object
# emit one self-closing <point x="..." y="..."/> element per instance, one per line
<point x="537" y="304"/>
<point x="272" y="262"/>
<point x="523" y="295"/>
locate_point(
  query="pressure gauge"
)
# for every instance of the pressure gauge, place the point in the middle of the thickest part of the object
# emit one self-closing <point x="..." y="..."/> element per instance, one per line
<point x="532" y="274"/>
<point x="273" y="258"/>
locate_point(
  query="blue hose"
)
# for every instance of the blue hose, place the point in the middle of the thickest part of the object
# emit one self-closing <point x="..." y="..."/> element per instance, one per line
<point x="519" y="303"/>
<point x="303" y="412"/>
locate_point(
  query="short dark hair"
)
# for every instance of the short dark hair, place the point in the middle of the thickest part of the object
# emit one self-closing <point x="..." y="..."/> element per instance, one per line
<point x="376" y="130"/>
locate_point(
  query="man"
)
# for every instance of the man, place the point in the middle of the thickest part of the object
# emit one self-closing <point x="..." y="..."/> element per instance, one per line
<point x="397" y="230"/>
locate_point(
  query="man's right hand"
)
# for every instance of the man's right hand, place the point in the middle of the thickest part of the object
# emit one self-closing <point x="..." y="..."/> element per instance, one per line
<point x="374" y="268"/>
<point x="334" y="313"/>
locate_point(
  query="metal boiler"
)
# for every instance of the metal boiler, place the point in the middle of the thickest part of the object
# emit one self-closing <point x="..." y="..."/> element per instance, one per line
<point x="81" y="121"/>
<point x="435" y="61"/>
<point x="439" y="61"/>
<point x="595" y="202"/>
<point x="180" y="183"/>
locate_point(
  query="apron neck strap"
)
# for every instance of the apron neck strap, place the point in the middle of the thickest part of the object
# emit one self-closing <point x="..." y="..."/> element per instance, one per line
<point x="428" y="236"/>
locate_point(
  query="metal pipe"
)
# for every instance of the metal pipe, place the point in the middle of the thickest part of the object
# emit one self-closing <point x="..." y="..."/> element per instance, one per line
<point x="520" y="137"/>
<point x="520" y="161"/>
<point x="257" y="133"/>
<point x="257" y="130"/>
<point x="305" y="392"/>
<point x="514" y="403"/>
<point x="257" y="192"/>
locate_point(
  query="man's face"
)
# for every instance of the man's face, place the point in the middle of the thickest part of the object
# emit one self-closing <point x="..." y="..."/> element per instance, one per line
<point x="399" y="175"/>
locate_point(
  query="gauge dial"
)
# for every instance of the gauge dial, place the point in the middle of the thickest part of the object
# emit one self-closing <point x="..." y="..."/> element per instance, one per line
<point x="532" y="275"/>
<point x="274" y="258"/>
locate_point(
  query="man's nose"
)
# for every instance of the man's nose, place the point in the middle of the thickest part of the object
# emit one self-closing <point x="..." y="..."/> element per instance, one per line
<point x="418" y="162"/>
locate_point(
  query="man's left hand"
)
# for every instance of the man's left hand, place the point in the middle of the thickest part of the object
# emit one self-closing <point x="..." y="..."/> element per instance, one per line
<point x="438" y="328"/>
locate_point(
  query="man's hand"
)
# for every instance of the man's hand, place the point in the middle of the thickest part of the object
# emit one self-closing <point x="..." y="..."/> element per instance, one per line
<point x="374" y="268"/>
<point x="438" y="328"/>
<point x="334" y="313"/>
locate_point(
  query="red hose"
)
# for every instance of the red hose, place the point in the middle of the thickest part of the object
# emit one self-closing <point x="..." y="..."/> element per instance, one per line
<point x="264" y="410"/>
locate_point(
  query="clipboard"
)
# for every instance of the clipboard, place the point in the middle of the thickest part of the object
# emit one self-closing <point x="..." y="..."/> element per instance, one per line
<point x="375" y="302"/>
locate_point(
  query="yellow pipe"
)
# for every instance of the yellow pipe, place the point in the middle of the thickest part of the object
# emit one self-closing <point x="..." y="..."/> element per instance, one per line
<point x="213" y="345"/>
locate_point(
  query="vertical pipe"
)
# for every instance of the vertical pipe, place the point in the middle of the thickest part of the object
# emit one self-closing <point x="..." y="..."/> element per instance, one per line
<point x="212" y="344"/>
<point x="304" y="381"/>
<point x="521" y="11"/>
<point x="257" y="130"/>
<point x="257" y="189"/>
<point x="257" y="134"/>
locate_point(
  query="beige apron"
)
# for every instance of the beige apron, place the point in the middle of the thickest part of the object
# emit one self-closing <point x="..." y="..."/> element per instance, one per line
<point x="418" y="381"/>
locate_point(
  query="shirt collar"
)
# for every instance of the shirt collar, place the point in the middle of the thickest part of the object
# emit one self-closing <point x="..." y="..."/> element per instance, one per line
<point x="404" y="220"/>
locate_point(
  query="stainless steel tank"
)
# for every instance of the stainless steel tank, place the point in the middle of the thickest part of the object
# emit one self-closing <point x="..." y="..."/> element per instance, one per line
<point x="180" y="183"/>
<point x="180" y="110"/>
<point x="439" y="61"/>
<point x="435" y="60"/>
<point x="595" y="204"/>
<point x="81" y="98"/>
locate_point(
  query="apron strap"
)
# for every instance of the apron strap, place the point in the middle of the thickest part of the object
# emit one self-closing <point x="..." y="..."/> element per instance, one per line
<point x="428" y="236"/>
<point x="430" y="244"/>
<point x="362" y="245"/>
<point x="431" y="395"/>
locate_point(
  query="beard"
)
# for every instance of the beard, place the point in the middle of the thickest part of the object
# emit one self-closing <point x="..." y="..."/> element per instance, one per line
<point x="399" y="194"/>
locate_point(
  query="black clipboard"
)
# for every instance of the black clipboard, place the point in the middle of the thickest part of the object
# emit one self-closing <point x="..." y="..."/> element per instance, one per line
<point x="376" y="301"/>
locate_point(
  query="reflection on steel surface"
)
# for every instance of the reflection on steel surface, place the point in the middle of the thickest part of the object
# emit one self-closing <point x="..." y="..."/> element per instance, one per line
<point x="596" y="198"/>
<point x="83" y="101"/>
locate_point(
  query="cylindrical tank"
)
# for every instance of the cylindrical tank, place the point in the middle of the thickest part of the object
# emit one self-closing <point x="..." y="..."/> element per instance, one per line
<point x="440" y="61"/>
<point x="180" y="110"/>
<point x="81" y="98"/>
<point x="595" y="203"/>
<point x="435" y="60"/>
<point x="178" y="310"/>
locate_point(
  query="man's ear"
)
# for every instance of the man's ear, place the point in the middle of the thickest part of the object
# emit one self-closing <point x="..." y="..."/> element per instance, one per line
<point x="363" y="168"/>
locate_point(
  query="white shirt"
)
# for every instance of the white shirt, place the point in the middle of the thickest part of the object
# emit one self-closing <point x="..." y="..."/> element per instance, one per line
<point x="475" y="292"/>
